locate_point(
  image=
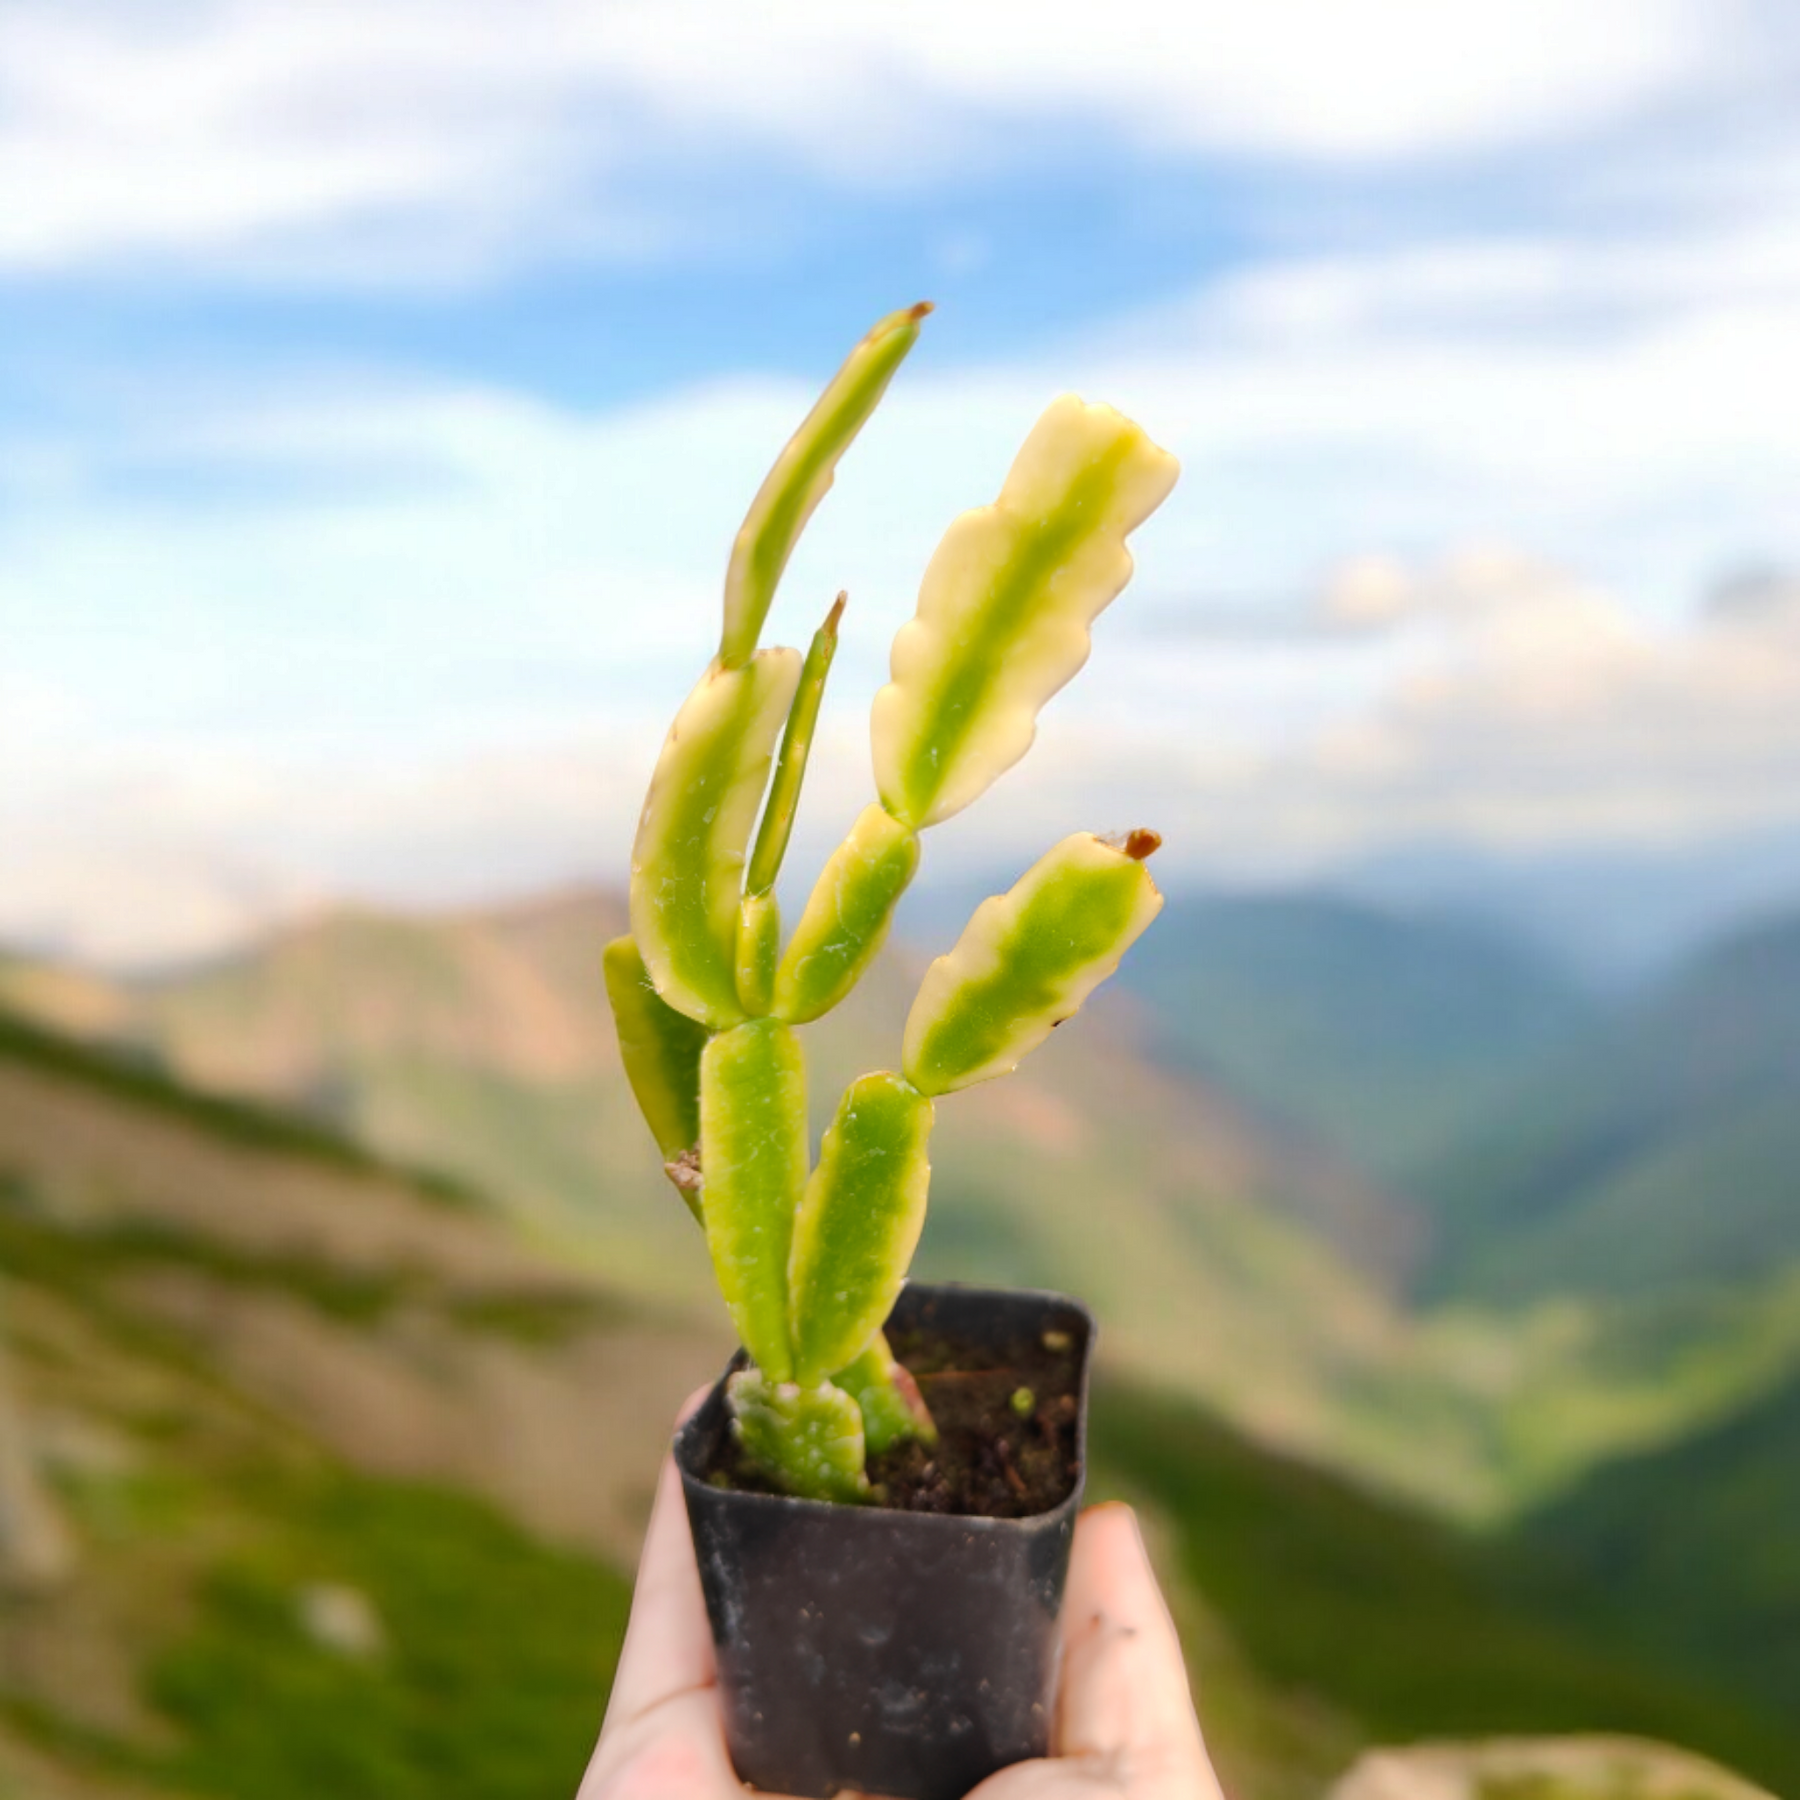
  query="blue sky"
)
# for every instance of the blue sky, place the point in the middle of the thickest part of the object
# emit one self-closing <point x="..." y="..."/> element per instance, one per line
<point x="379" y="390"/>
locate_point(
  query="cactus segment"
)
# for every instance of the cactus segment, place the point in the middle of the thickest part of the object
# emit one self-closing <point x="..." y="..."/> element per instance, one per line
<point x="846" y="918"/>
<point x="687" y="863"/>
<point x="1027" y="960"/>
<point x="758" y="950"/>
<point x="893" y="1409"/>
<point x="802" y="476"/>
<point x="753" y="1152"/>
<point x="858" y="1224"/>
<point x="660" y="1049"/>
<point x="808" y="1440"/>
<point x="1005" y="608"/>
<point x="790" y="764"/>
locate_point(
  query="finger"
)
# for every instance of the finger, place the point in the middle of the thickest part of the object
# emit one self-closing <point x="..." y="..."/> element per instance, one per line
<point x="668" y="1644"/>
<point x="675" y="1751"/>
<point x="1125" y="1702"/>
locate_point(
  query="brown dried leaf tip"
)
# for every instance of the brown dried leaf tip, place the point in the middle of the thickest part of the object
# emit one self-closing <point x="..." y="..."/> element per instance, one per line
<point x="1140" y="845"/>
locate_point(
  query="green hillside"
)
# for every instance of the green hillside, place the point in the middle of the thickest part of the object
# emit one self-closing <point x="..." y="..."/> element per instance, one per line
<point x="1697" y="1549"/>
<point x="1577" y="1382"/>
<point x="133" y="1073"/>
<point x="480" y="1044"/>
<point x="254" y="1365"/>
<point x="1382" y="1036"/>
<point x="1659" y="1152"/>
<point x="351" y="1475"/>
<point x="1410" y="1629"/>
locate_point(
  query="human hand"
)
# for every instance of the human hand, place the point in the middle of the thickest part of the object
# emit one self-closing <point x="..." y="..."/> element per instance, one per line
<point x="1125" y="1721"/>
<point x="1125" y="1724"/>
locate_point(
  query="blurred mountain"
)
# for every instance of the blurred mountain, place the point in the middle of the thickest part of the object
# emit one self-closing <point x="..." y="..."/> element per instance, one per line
<point x="346" y="1472"/>
<point x="1353" y="1609"/>
<point x="350" y="1470"/>
<point x="481" y="1044"/>
<point x="1607" y="1233"/>
<point x="1382" y="1036"/>
<point x="35" y="1551"/>
<point x="1572" y="1382"/>
<point x="1619" y="914"/>
<point x="1657" y="1152"/>
<point x="1696" y="1548"/>
<point x="478" y="1043"/>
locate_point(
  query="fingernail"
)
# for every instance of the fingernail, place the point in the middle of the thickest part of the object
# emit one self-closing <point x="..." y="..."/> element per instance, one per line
<point x="1119" y="1506"/>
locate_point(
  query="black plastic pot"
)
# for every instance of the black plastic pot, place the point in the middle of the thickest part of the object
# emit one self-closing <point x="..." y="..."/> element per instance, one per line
<point x="900" y="1653"/>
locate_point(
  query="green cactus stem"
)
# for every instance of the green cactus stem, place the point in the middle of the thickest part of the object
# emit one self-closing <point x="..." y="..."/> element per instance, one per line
<point x="802" y="477"/>
<point x="790" y="763"/>
<point x="753" y="1154"/>
<point x="809" y="1439"/>
<point x="846" y="918"/>
<point x="1005" y="607"/>
<point x="660" y="1049"/>
<point x="687" y="864"/>
<point x="1027" y="960"/>
<point x="758" y="948"/>
<point x="892" y="1408"/>
<point x="859" y="1223"/>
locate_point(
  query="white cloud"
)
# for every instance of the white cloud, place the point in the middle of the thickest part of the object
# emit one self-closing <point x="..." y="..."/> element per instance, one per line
<point x="1414" y="399"/>
<point x="433" y="138"/>
<point x="1518" y="706"/>
<point x="1366" y="593"/>
<point x="1565" y="286"/>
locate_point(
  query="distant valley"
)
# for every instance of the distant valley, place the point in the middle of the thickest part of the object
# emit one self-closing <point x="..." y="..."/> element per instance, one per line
<point x="1659" y="1149"/>
<point x="1384" y="1038"/>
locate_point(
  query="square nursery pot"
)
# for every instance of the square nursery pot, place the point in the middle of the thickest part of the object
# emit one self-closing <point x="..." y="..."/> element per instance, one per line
<point x="900" y="1653"/>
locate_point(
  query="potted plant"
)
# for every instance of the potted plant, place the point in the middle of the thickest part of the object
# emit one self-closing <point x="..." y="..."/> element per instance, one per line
<point x="882" y="1487"/>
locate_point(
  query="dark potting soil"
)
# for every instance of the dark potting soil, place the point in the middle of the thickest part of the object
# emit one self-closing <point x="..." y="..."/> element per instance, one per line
<point x="1005" y="1414"/>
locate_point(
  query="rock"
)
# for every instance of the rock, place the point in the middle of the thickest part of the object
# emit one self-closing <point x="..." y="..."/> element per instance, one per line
<point x="1582" y="1768"/>
<point x="36" y="1551"/>
<point x="342" y="1619"/>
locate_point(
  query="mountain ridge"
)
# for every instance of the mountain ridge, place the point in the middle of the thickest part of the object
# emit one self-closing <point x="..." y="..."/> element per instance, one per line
<point x="1379" y="1034"/>
<point x="1657" y="1150"/>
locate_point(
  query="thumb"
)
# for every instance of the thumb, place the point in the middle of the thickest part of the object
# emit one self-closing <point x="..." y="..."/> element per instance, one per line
<point x="1125" y="1706"/>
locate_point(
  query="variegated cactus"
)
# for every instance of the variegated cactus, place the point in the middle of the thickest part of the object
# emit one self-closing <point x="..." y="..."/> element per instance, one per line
<point x="811" y="1257"/>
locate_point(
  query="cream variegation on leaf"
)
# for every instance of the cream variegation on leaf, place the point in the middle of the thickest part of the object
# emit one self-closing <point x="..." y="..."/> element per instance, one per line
<point x="1005" y="609"/>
